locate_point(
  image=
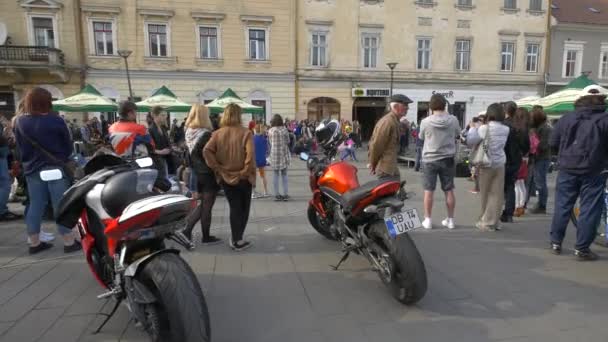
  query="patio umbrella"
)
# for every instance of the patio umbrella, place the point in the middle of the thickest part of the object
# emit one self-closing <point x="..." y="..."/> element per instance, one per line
<point x="229" y="96"/>
<point x="164" y="98"/>
<point x="88" y="99"/>
<point x="562" y="101"/>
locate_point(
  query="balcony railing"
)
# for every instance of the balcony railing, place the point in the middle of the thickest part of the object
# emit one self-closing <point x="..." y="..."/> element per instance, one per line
<point x="13" y="55"/>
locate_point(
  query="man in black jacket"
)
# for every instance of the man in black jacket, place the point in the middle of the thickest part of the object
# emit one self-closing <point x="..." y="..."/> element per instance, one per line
<point x="517" y="146"/>
<point x="582" y="140"/>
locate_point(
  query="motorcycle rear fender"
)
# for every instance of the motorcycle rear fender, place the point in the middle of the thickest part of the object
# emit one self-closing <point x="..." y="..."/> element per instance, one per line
<point x="133" y="268"/>
<point x="138" y="292"/>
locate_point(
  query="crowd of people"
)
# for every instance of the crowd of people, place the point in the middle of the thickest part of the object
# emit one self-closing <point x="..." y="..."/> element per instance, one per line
<point x="511" y="154"/>
<point x="512" y="150"/>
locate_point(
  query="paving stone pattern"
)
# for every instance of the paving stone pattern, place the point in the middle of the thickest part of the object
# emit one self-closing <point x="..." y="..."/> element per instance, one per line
<point x="502" y="286"/>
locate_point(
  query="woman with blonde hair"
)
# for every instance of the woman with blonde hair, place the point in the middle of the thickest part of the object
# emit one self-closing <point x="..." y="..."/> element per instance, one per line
<point x="231" y="154"/>
<point x="198" y="134"/>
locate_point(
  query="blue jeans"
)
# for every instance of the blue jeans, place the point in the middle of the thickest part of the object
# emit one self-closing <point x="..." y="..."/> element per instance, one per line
<point x="5" y="180"/>
<point x="541" y="169"/>
<point x="569" y="187"/>
<point x="349" y="152"/>
<point x="40" y="192"/>
<point x="275" y="181"/>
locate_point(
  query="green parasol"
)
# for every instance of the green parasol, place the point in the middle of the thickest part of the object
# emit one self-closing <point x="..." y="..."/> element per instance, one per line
<point x="562" y="101"/>
<point x="228" y="97"/>
<point x="164" y="98"/>
<point x="88" y="99"/>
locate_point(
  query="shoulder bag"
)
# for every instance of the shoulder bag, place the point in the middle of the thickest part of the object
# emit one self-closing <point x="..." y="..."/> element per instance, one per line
<point x="480" y="156"/>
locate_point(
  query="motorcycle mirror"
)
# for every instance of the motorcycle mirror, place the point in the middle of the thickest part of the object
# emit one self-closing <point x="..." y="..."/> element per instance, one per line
<point x="304" y="156"/>
<point x="51" y="175"/>
<point x="145" y="162"/>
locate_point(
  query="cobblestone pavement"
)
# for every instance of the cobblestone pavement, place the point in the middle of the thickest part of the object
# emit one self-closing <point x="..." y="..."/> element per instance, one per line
<point x="502" y="286"/>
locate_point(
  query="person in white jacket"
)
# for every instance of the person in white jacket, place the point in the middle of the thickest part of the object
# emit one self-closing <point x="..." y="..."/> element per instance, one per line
<point x="491" y="179"/>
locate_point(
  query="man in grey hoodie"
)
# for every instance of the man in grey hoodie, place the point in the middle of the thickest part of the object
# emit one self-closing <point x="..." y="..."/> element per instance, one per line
<point x="439" y="132"/>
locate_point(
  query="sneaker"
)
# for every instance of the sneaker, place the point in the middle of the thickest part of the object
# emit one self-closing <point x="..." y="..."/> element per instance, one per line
<point x="75" y="247"/>
<point x="448" y="223"/>
<point x="278" y="198"/>
<point x="484" y="228"/>
<point x="43" y="246"/>
<point x="585" y="255"/>
<point x="211" y="240"/>
<point x="44" y="237"/>
<point x="286" y="198"/>
<point x="265" y="195"/>
<point x="10" y="216"/>
<point x="254" y="195"/>
<point x="241" y="246"/>
<point x="556" y="248"/>
<point x="427" y="223"/>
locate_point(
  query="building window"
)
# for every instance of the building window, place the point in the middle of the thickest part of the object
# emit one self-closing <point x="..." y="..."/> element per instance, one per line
<point x="209" y="42"/>
<point x="511" y="4"/>
<point x="157" y="40"/>
<point x="44" y="35"/>
<point x="571" y="58"/>
<point x="466" y="3"/>
<point x="536" y="5"/>
<point x="507" y="53"/>
<point x="318" y="49"/>
<point x="532" y="57"/>
<point x="257" y="44"/>
<point x="604" y="63"/>
<point x="370" y="51"/>
<point x="463" y="54"/>
<point x="423" y="60"/>
<point x="102" y="34"/>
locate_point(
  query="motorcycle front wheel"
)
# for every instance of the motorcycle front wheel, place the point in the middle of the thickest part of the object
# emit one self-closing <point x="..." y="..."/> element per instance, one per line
<point x="180" y="312"/>
<point x="318" y="223"/>
<point x="406" y="277"/>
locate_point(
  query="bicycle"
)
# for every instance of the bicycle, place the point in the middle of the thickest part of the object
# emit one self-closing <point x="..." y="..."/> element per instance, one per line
<point x="602" y="227"/>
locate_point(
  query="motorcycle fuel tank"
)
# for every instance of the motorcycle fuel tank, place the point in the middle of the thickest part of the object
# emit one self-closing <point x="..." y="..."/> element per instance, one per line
<point x="340" y="177"/>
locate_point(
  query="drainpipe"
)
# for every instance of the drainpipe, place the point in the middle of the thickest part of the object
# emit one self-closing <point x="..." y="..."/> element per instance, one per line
<point x="547" y="48"/>
<point x="80" y="46"/>
<point x="296" y="59"/>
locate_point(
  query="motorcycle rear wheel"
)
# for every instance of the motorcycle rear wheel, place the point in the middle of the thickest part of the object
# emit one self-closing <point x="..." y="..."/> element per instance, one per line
<point x="315" y="221"/>
<point x="408" y="280"/>
<point x="180" y="313"/>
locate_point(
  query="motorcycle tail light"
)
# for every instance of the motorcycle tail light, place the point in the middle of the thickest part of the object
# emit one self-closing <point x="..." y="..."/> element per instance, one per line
<point x="117" y="230"/>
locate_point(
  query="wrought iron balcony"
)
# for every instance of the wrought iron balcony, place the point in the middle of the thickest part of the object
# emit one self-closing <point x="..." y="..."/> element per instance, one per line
<point x="16" y="56"/>
<point x="20" y="61"/>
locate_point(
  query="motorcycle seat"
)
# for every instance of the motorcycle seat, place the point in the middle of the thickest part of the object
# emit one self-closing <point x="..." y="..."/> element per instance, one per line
<point x="354" y="196"/>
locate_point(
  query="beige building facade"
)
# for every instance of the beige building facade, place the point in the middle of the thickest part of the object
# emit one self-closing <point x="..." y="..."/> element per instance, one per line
<point x="198" y="49"/>
<point x="38" y="47"/>
<point x="474" y="52"/>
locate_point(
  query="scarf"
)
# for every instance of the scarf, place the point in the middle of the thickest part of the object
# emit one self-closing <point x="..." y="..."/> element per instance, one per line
<point x="192" y="136"/>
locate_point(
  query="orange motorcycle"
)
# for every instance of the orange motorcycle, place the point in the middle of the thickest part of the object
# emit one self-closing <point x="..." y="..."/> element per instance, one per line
<point x="370" y="219"/>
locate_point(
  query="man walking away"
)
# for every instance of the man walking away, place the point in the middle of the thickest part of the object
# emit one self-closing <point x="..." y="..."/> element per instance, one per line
<point x="384" y="144"/>
<point x="582" y="140"/>
<point x="439" y="131"/>
<point x="518" y="145"/>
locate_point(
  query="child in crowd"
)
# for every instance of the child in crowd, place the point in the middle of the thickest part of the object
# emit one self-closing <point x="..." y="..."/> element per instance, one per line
<point x="260" y="142"/>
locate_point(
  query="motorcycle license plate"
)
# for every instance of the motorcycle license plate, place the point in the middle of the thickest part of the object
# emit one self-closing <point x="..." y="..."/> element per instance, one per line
<point x="402" y="222"/>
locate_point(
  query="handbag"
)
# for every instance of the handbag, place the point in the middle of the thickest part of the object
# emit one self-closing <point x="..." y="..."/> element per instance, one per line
<point x="480" y="156"/>
<point x="70" y="167"/>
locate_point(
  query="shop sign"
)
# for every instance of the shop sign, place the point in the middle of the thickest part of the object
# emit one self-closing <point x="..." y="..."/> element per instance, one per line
<point x="447" y="94"/>
<point x="371" y="92"/>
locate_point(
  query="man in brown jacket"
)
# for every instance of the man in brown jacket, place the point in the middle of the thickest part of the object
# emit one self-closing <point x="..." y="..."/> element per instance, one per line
<point x="384" y="144"/>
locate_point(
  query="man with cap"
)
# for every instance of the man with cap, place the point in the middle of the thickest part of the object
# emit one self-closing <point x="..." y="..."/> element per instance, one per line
<point x="128" y="138"/>
<point x="581" y="139"/>
<point x="384" y="144"/>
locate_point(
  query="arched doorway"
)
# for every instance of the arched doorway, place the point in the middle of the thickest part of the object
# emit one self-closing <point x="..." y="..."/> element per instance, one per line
<point x="208" y="96"/>
<point x="260" y="98"/>
<point x="323" y="108"/>
<point x="368" y="111"/>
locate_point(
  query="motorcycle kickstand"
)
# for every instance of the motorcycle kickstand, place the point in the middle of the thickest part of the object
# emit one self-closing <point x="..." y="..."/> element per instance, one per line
<point x="344" y="257"/>
<point x="108" y="316"/>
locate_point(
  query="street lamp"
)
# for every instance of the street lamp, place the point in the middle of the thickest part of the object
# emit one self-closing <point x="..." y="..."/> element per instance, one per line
<point x="125" y="54"/>
<point x="392" y="67"/>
